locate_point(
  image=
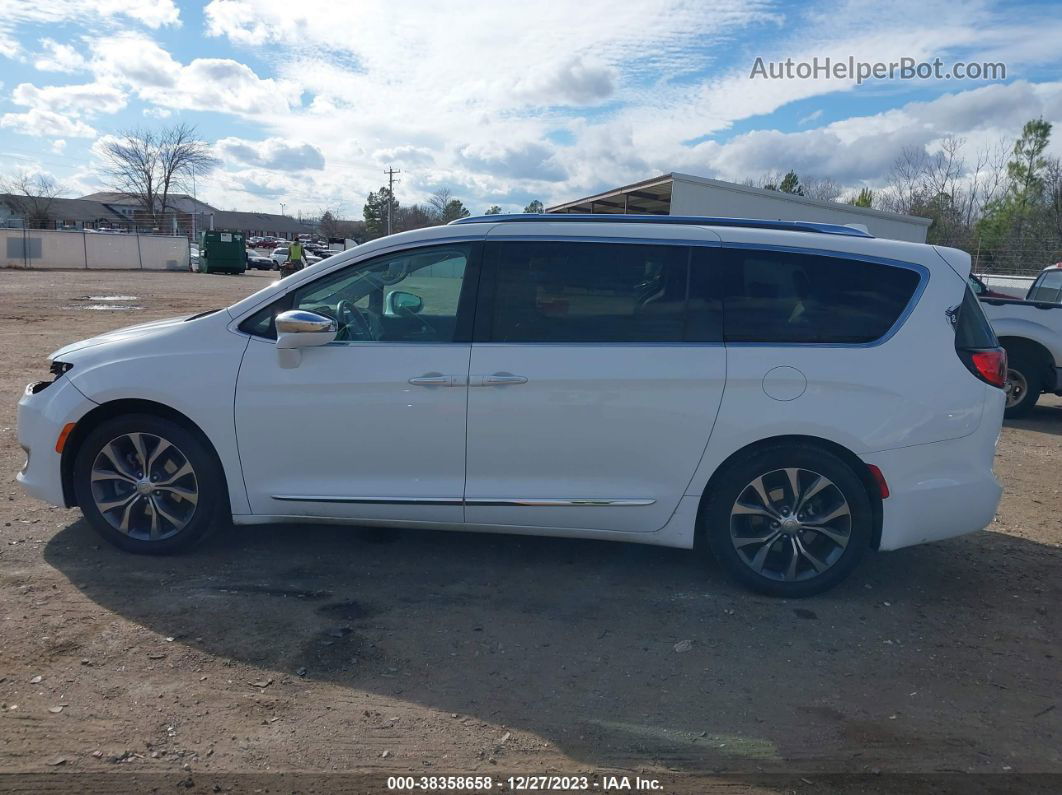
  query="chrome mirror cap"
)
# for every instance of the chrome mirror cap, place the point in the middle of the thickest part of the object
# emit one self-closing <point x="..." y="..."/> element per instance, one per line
<point x="299" y="321"/>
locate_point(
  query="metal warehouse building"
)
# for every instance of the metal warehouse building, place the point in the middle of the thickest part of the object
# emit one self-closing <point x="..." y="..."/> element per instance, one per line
<point x="685" y="194"/>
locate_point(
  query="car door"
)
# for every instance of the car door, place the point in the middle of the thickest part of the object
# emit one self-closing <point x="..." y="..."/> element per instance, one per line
<point x="593" y="391"/>
<point x="372" y="426"/>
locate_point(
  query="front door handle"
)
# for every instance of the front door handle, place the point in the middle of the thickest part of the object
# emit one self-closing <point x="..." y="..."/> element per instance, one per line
<point x="496" y="379"/>
<point x="435" y="379"/>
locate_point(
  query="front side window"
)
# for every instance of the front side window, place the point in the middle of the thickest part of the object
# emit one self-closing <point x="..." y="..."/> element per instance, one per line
<point x="412" y="296"/>
<point x="778" y="296"/>
<point x="586" y="292"/>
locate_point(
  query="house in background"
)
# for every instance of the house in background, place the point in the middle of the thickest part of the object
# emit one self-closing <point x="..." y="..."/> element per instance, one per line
<point x="255" y="224"/>
<point x="189" y="216"/>
<point x="62" y="213"/>
<point x="685" y="194"/>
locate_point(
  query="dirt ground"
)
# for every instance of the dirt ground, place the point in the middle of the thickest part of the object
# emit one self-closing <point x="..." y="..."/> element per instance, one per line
<point x="335" y="656"/>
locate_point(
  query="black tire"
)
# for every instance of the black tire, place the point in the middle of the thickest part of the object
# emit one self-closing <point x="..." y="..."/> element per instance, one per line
<point x="1024" y="376"/>
<point x="194" y="518"/>
<point x="737" y="480"/>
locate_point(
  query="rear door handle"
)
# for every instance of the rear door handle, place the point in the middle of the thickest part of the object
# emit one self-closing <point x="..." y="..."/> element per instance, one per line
<point x="496" y="379"/>
<point x="434" y="379"/>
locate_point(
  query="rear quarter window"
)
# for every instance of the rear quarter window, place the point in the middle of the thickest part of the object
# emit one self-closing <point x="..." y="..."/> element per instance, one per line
<point x="972" y="329"/>
<point x="788" y="297"/>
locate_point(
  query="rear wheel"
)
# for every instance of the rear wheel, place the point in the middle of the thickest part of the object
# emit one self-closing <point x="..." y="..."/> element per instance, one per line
<point x="1023" y="384"/>
<point x="789" y="521"/>
<point x="148" y="484"/>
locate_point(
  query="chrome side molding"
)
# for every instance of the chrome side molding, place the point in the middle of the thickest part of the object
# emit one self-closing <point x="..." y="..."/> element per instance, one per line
<point x="543" y="502"/>
<point x="550" y="502"/>
<point x="369" y="500"/>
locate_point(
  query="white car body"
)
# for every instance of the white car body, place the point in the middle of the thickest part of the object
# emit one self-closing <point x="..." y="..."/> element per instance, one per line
<point x="279" y="255"/>
<point x="613" y="441"/>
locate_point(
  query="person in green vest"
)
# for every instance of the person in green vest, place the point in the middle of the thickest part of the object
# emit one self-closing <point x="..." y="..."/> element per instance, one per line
<point x="296" y="259"/>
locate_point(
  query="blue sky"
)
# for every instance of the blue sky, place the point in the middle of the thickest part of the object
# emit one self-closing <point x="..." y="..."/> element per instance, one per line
<point x="308" y="103"/>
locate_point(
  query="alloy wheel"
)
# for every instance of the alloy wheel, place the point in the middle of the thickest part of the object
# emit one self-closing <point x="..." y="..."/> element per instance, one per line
<point x="1016" y="387"/>
<point x="144" y="486"/>
<point x="790" y="524"/>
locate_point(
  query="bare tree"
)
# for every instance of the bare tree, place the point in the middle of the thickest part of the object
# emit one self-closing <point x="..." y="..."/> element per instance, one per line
<point x="824" y="189"/>
<point x="439" y="201"/>
<point x="328" y="224"/>
<point x="148" y="166"/>
<point x="32" y="196"/>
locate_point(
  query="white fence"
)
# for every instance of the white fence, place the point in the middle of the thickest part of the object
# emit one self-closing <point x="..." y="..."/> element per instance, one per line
<point x="38" y="248"/>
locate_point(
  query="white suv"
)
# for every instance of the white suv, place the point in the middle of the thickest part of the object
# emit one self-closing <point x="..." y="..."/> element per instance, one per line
<point x="790" y="394"/>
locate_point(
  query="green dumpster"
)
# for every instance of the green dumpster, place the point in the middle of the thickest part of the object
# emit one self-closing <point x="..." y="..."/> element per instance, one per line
<point x="222" y="252"/>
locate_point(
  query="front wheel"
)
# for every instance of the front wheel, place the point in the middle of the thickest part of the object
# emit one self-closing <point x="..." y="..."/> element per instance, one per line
<point x="788" y="521"/>
<point x="148" y="484"/>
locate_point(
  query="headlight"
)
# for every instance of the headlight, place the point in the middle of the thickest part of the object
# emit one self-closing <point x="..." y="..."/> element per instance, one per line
<point x="57" y="368"/>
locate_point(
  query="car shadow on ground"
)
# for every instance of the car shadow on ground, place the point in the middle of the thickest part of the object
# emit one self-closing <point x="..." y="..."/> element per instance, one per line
<point x="1045" y="417"/>
<point x="583" y="642"/>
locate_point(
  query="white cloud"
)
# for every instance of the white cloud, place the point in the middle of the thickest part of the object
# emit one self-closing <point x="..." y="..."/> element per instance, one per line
<point x="58" y="146"/>
<point x="140" y="65"/>
<point x="135" y="60"/>
<point x="573" y="81"/>
<point x="46" y="124"/>
<point x="272" y="153"/>
<point x="864" y="149"/>
<point x="89" y="15"/>
<point x="627" y="84"/>
<point x="89" y="99"/>
<point x="56" y="57"/>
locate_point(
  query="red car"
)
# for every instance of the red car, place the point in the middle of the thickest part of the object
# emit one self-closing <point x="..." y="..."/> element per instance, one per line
<point x="982" y="290"/>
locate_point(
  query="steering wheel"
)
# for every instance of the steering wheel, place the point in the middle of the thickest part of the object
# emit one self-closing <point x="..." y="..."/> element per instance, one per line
<point x="356" y="325"/>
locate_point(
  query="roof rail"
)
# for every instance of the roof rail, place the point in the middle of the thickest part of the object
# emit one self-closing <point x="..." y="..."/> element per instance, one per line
<point x="688" y="220"/>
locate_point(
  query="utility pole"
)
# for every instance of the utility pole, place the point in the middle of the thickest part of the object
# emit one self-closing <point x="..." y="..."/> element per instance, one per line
<point x="390" y="194"/>
<point x="195" y="207"/>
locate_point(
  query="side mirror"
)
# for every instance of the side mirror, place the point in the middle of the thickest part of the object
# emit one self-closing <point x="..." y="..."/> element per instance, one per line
<point x="401" y="302"/>
<point x="297" y="329"/>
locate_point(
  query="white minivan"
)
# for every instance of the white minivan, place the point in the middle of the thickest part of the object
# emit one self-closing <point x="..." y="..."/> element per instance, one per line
<point x="789" y="394"/>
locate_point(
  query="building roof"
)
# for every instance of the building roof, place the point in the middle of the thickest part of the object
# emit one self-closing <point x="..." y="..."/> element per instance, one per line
<point x="265" y="222"/>
<point x="653" y="196"/>
<point x="116" y="197"/>
<point x="81" y="210"/>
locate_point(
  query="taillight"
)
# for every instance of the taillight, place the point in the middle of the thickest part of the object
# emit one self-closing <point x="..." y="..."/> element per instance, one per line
<point x="990" y="365"/>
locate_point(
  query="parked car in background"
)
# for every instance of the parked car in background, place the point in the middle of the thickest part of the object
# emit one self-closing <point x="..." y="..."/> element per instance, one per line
<point x="982" y="290"/>
<point x="279" y="255"/>
<point x="1031" y="332"/>
<point x="259" y="262"/>
<point x="790" y="394"/>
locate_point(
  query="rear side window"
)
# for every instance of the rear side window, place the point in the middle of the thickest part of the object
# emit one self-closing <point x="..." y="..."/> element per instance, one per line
<point x="784" y="297"/>
<point x="1047" y="287"/>
<point x="972" y="329"/>
<point x="586" y="292"/>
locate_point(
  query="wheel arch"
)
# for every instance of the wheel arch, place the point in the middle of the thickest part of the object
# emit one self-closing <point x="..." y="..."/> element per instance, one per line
<point x="1037" y="351"/>
<point x="116" y="408"/>
<point x="858" y="466"/>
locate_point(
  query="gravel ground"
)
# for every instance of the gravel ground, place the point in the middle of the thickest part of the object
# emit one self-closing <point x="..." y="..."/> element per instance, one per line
<point x="319" y="652"/>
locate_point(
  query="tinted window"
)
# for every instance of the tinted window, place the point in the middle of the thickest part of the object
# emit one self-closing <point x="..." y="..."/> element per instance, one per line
<point x="1047" y="287"/>
<point x="775" y="296"/>
<point x="972" y="329"/>
<point x="587" y="292"/>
